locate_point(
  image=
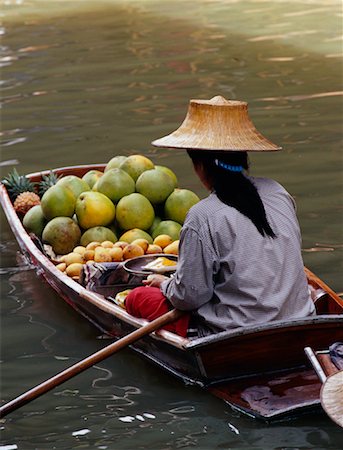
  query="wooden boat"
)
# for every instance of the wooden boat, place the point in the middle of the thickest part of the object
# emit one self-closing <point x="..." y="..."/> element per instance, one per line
<point x="260" y="370"/>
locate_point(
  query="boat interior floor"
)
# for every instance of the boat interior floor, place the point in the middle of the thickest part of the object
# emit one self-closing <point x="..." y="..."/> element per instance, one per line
<point x="272" y="396"/>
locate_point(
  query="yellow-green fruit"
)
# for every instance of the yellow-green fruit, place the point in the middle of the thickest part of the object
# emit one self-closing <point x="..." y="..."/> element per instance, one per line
<point x="107" y="244"/>
<point x="163" y="240"/>
<point x="172" y="249"/>
<point x="74" y="183"/>
<point x="115" y="184"/>
<point x="102" y="254"/>
<point x="143" y="243"/>
<point x="63" y="234"/>
<point x="97" y="234"/>
<point x="72" y="257"/>
<point x="34" y="220"/>
<point x="92" y="245"/>
<point x="89" y="255"/>
<point x="132" y="251"/>
<point x="135" y="165"/>
<point x="155" y="185"/>
<point x="169" y="227"/>
<point x="134" y="211"/>
<point x="74" y="270"/>
<point x="61" y="266"/>
<point x="116" y="253"/>
<point x="92" y="176"/>
<point x="178" y="204"/>
<point x="168" y="172"/>
<point x="80" y="249"/>
<point x="115" y="162"/>
<point x="95" y="186"/>
<point x="58" y="201"/>
<point x="94" y="209"/>
<point x="134" y="234"/>
<point x="153" y="249"/>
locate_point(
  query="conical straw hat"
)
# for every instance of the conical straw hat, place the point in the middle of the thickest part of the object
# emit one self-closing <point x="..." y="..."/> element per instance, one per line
<point x="331" y="396"/>
<point x="217" y="124"/>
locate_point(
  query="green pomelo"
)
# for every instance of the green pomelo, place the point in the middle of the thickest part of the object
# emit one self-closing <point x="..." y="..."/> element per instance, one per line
<point x="168" y="172"/>
<point x="63" y="234"/>
<point x="115" y="162"/>
<point x="134" y="211"/>
<point x="58" y="201"/>
<point x="135" y="165"/>
<point x="98" y="234"/>
<point x="74" y="183"/>
<point x="168" y="227"/>
<point x="115" y="184"/>
<point x="136" y="233"/>
<point x="156" y="221"/>
<point x="92" y="176"/>
<point x="178" y="204"/>
<point x="94" y="209"/>
<point x="95" y="186"/>
<point x="34" y="220"/>
<point x="155" y="185"/>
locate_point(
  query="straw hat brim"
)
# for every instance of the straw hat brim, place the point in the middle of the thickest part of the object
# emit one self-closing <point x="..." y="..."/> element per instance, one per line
<point x="331" y="396"/>
<point x="219" y="125"/>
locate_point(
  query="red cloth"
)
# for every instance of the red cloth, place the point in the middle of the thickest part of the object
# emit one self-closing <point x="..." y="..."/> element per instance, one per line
<point x="149" y="303"/>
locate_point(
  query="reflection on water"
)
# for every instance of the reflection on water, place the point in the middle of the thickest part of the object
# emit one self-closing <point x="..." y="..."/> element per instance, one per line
<point x="83" y="81"/>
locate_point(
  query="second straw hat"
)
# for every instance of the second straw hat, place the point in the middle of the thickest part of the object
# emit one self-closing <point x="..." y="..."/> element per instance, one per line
<point x="217" y="124"/>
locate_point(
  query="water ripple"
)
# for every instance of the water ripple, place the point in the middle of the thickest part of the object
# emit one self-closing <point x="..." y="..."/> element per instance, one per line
<point x="281" y="36"/>
<point x="302" y="97"/>
<point x="7" y="60"/>
<point x="306" y="12"/>
<point x="13" y="270"/>
<point x="9" y="142"/>
<point x="9" y="162"/>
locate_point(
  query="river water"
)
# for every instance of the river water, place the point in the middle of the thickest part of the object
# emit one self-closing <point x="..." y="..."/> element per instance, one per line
<point x="83" y="81"/>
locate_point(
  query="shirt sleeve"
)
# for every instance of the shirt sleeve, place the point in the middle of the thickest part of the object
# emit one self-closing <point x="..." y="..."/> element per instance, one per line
<point x="192" y="284"/>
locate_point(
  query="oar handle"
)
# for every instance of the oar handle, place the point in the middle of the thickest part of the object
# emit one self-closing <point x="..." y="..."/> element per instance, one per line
<point x="315" y="364"/>
<point x="90" y="361"/>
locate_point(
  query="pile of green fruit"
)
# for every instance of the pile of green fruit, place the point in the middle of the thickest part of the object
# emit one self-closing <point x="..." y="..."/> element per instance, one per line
<point x="131" y="199"/>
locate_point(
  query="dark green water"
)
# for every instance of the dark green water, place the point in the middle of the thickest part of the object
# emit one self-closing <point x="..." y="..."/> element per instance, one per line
<point x="83" y="81"/>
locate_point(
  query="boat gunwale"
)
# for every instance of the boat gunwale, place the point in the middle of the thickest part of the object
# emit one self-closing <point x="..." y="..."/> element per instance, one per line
<point x="61" y="170"/>
<point x="268" y="327"/>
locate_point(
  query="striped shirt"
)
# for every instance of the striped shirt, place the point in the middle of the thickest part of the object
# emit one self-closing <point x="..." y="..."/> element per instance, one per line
<point x="230" y="275"/>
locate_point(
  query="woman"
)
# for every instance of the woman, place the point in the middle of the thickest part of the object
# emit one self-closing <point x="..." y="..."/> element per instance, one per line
<point x="240" y="257"/>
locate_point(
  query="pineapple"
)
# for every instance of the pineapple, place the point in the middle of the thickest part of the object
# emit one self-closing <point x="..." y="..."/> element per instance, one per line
<point x="21" y="192"/>
<point x="47" y="181"/>
<point x="17" y="184"/>
<point x="25" y="201"/>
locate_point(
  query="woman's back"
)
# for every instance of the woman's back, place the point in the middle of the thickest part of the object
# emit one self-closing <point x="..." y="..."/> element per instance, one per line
<point x="232" y="274"/>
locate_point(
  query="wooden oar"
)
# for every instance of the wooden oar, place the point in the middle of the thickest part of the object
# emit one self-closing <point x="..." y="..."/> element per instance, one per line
<point x="90" y="361"/>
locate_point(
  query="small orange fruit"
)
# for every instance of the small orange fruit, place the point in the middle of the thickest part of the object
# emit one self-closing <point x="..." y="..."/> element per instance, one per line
<point x="132" y="251"/>
<point x="144" y="243"/>
<point x="163" y="240"/>
<point x="153" y="248"/>
<point x="116" y="254"/>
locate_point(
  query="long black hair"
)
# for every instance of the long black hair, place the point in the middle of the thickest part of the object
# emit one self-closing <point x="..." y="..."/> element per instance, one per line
<point x="224" y="174"/>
